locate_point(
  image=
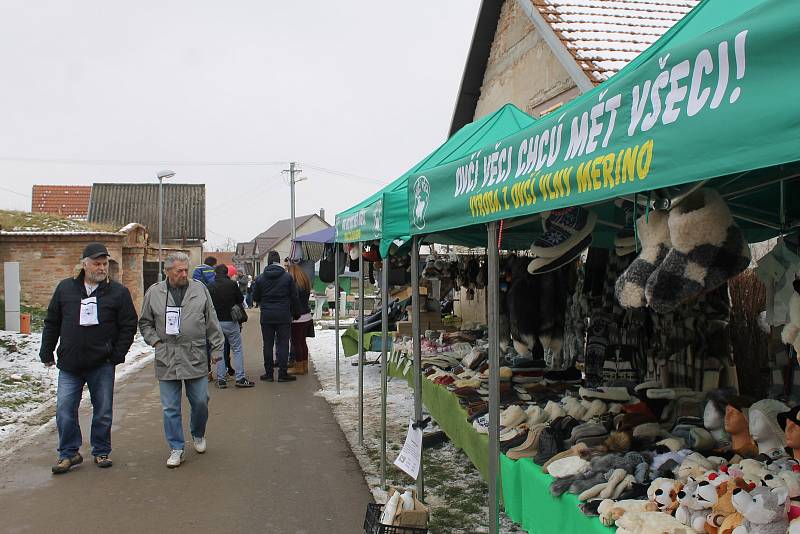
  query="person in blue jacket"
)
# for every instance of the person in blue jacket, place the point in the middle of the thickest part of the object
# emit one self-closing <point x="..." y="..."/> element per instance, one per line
<point x="205" y="271"/>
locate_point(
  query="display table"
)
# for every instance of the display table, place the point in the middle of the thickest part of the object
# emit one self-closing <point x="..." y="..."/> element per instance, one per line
<point x="372" y="341"/>
<point x="525" y="488"/>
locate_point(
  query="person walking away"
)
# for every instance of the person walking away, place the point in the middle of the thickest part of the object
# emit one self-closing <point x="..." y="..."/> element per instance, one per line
<point x="93" y="321"/>
<point x="275" y="293"/>
<point x="241" y="281"/>
<point x="225" y="295"/>
<point x="330" y="296"/>
<point x="301" y="325"/>
<point x="177" y="318"/>
<point x="205" y="271"/>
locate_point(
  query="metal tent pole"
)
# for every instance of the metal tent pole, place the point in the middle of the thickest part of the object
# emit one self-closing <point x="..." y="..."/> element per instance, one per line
<point x="336" y="314"/>
<point x="384" y="343"/>
<point x="493" y="313"/>
<point x="415" y="335"/>
<point x="361" y="344"/>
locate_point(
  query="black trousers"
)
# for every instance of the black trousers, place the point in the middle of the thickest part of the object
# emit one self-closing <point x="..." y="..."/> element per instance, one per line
<point x="277" y="336"/>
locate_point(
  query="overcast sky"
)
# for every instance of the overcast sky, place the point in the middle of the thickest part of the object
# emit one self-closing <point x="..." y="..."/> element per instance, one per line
<point x="92" y="88"/>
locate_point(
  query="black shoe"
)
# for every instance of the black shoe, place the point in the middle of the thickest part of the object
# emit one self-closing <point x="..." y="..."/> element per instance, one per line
<point x="244" y="383"/>
<point x="64" y="464"/>
<point x="286" y="378"/>
<point x="267" y="377"/>
<point x="222" y="384"/>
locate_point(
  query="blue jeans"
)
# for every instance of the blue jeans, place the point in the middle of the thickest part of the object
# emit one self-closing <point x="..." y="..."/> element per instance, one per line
<point x="197" y="393"/>
<point x="233" y="335"/>
<point x="68" y="398"/>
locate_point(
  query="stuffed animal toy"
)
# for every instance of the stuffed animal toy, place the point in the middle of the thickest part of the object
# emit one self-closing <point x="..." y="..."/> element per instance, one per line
<point x="696" y="499"/>
<point x="791" y="332"/>
<point x="663" y="492"/>
<point x="649" y="523"/>
<point x="610" y="510"/>
<point x="695" y="466"/>
<point x="764" y="510"/>
<point x="723" y="512"/>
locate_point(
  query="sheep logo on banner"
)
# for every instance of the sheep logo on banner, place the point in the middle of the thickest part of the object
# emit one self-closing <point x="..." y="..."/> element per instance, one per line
<point x="422" y="190"/>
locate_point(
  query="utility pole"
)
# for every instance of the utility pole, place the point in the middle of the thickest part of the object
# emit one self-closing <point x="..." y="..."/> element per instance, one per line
<point x="293" y="170"/>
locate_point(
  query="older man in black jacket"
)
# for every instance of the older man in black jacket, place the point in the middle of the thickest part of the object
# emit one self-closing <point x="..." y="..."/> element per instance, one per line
<point x="95" y="320"/>
<point x="276" y="295"/>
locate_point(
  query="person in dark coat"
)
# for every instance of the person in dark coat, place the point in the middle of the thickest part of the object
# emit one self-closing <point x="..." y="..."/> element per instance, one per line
<point x="225" y="295"/>
<point x="275" y="293"/>
<point x="95" y="321"/>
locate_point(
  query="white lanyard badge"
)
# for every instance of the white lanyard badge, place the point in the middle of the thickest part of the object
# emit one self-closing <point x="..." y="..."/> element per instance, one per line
<point x="89" y="312"/>
<point x="173" y="316"/>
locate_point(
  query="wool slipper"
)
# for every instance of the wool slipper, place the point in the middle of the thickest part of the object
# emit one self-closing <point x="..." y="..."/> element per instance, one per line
<point x="568" y="466"/>
<point x="596" y="409"/>
<point x="708" y="249"/>
<point x="554" y="410"/>
<point x="651" y="384"/>
<point x="542" y="265"/>
<point x="512" y="416"/>
<point x="564" y="229"/>
<point x="529" y="448"/>
<point x="536" y="415"/>
<point x="575" y="450"/>
<point x="653" y="232"/>
<point x="617" y="394"/>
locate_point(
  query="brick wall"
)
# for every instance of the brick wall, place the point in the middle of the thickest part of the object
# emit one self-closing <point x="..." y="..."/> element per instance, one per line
<point x="47" y="259"/>
<point x="132" y="265"/>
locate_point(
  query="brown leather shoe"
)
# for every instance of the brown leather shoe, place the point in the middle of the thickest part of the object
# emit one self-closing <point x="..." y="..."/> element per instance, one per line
<point x="64" y="464"/>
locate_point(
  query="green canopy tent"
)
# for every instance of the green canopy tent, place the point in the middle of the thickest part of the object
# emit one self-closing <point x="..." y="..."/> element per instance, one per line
<point x="712" y="103"/>
<point x="384" y="216"/>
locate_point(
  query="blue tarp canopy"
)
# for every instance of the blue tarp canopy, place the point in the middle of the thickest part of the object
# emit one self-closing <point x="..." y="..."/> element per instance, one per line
<point x="326" y="235"/>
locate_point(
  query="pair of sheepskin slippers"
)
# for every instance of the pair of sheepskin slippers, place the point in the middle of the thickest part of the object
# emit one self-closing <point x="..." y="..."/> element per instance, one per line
<point x="568" y="232"/>
<point x="688" y="251"/>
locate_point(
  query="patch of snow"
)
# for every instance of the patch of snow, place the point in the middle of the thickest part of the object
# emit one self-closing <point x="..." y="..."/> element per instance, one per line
<point x="28" y="388"/>
<point x="400" y="407"/>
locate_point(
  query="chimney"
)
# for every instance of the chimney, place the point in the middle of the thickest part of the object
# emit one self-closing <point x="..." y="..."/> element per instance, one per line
<point x="322" y="213"/>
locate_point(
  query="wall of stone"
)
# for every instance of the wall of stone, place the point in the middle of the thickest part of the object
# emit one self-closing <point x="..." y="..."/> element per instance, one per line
<point x="522" y="68"/>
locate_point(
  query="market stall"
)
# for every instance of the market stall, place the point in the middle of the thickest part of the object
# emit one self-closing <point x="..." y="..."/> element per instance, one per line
<point x="673" y="138"/>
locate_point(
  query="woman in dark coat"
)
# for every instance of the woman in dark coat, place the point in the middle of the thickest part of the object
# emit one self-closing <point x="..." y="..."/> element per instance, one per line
<point x="302" y="324"/>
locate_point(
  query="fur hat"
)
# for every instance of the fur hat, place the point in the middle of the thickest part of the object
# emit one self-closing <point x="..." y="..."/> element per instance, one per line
<point x="653" y="232"/>
<point x="708" y="250"/>
<point x="791" y="332"/>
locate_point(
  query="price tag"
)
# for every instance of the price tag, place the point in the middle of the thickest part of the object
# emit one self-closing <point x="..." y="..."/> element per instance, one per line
<point x="173" y="320"/>
<point x="410" y="455"/>
<point x="89" y="312"/>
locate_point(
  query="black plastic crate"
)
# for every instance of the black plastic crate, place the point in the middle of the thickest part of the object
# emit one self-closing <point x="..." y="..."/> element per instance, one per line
<point x="372" y="524"/>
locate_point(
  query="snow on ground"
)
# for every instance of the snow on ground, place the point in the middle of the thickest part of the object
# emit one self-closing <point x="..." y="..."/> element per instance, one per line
<point x="28" y="388"/>
<point x="455" y="490"/>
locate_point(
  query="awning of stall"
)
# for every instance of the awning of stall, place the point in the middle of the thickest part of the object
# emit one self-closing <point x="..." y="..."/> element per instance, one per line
<point x="326" y="235"/>
<point x="384" y="215"/>
<point x="713" y="98"/>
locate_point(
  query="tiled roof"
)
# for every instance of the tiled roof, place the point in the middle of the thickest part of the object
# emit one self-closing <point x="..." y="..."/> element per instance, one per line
<point x="184" y="208"/>
<point x="70" y="201"/>
<point x="604" y="35"/>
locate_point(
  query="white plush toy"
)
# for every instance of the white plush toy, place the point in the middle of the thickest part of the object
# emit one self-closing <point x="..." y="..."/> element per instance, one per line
<point x="648" y="523"/>
<point x="695" y="504"/>
<point x="791" y="332"/>
<point x="764" y="510"/>
<point x="610" y="510"/>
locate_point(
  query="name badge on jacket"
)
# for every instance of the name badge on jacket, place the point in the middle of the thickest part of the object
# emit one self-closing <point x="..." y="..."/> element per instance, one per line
<point x="89" y="312"/>
<point x="173" y="316"/>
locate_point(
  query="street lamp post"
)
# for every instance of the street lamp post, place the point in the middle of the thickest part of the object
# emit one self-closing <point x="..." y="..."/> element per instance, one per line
<point x="162" y="175"/>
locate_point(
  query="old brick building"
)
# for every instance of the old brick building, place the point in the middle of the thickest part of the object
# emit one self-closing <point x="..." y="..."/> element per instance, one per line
<point x="48" y="256"/>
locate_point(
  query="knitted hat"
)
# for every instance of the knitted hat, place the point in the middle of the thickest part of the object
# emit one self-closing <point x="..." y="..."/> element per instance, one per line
<point x="654" y="234"/>
<point x="771" y="409"/>
<point x="708" y="250"/>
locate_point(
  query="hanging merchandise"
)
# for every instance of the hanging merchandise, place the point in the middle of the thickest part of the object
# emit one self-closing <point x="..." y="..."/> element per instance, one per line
<point x="568" y="232"/>
<point x="777" y="271"/>
<point x="371" y="253"/>
<point x="708" y="249"/>
<point x="791" y="332"/>
<point x="653" y="232"/>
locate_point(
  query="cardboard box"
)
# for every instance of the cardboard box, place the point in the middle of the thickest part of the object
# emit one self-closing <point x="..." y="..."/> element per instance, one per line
<point x="416" y="518"/>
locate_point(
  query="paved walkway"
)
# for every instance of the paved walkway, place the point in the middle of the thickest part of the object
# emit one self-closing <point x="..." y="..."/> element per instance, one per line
<point x="276" y="463"/>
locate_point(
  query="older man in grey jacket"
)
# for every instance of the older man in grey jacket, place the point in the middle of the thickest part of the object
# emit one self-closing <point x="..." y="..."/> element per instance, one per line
<point x="177" y="318"/>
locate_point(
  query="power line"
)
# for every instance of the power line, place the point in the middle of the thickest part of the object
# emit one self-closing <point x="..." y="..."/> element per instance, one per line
<point x="71" y="161"/>
<point x="343" y="174"/>
<point x="15" y="192"/>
